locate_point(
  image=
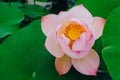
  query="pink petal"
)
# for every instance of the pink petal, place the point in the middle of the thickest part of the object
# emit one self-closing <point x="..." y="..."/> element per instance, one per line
<point x="63" y="17"/>
<point x="81" y="13"/>
<point x="52" y="46"/>
<point x="97" y="26"/>
<point x="83" y="43"/>
<point x="90" y="42"/>
<point x="87" y="65"/>
<point x="49" y="23"/>
<point x="64" y="43"/>
<point x="63" y="64"/>
<point x="80" y="43"/>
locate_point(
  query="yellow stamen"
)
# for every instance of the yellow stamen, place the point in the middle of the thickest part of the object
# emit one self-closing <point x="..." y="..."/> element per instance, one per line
<point x="73" y="31"/>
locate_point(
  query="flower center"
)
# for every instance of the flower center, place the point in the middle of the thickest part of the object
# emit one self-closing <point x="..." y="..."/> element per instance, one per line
<point x="73" y="30"/>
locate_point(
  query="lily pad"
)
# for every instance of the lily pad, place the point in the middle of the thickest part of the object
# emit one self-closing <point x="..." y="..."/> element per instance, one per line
<point x="34" y="11"/>
<point x="20" y="53"/>
<point x="111" y="41"/>
<point x="112" y="29"/>
<point x="10" y="18"/>
<point x="111" y="55"/>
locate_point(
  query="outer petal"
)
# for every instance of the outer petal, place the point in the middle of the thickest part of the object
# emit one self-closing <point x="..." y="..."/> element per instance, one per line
<point x="64" y="43"/>
<point x="63" y="64"/>
<point x="81" y="13"/>
<point x="87" y="65"/>
<point x="52" y="46"/>
<point x="97" y="26"/>
<point x="49" y="23"/>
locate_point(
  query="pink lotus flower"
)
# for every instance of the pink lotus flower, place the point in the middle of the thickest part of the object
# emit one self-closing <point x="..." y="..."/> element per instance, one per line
<point x="70" y="37"/>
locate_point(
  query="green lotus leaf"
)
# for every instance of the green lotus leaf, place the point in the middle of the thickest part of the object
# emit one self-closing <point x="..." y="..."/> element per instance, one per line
<point x="111" y="41"/>
<point x="10" y="18"/>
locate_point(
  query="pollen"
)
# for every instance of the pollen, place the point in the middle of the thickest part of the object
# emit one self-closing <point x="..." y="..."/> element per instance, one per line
<point x="73" y="30"/>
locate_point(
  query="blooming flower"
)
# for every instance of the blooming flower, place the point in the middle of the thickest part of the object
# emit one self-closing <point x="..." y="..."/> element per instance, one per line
<point x="70" y="37"/>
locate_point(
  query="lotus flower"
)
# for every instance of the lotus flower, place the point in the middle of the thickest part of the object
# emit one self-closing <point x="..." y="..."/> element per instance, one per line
<point x="70" y="37"/>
